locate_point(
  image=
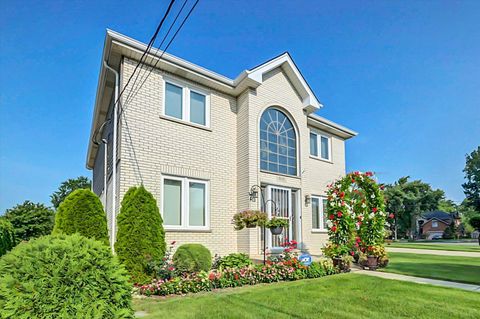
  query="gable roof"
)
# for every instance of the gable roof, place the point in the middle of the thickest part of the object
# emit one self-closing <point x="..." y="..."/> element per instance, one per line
<point x="446" y="222"/>
<point x="437" y="214"/>
<point x="117" y="45"/>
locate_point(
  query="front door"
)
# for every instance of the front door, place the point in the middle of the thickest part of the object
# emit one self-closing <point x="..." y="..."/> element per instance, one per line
<point x="279" y="204"/>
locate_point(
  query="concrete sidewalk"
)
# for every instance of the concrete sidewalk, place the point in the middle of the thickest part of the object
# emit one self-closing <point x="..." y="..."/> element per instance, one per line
<point x="433" y="252"/>
<point x="419" y="280"/>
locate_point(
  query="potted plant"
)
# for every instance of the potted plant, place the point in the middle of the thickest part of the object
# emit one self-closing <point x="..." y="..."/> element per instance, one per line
<point x="376" y="255"/>
<point x="249" y="219"/>
<point x="276" y="225"/>
<point x="339" y="255"/>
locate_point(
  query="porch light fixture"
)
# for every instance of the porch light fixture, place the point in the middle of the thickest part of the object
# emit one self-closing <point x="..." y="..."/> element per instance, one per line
<point x="308" y="199"/>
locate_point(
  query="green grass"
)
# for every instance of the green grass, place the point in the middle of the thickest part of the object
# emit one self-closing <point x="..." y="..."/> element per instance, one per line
<point x="340" y="296"/>
<point x="451" y="247"/>
<point x="451" y="268"/>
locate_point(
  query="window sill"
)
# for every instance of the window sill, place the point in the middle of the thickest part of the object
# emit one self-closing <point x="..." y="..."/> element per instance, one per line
<point x="319" y="231"/>
<point x="186" y="230"/>
<point x="321" y="159"/>
<point x="280" y="174"/>
<point x="173" y="119"/>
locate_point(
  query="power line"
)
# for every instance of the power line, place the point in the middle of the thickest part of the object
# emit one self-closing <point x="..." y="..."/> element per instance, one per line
<point x="127" y="99"/>
<point x="152" y="40"/>
<point x="160" y="57"/>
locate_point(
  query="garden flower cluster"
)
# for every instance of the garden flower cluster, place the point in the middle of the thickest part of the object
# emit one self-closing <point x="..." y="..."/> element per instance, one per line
<point x="286" y="270"/>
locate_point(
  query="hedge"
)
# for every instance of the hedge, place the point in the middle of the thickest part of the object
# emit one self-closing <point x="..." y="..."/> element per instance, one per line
<point x="82" y="212"/>
<point x="7" y="236"/>
<point x="60" y="276"/>
<point x="192" y="258"/>
<point x="140" y="236"/>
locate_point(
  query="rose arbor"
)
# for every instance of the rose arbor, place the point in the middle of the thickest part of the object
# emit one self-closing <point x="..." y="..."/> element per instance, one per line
<point x="356" y="215"/>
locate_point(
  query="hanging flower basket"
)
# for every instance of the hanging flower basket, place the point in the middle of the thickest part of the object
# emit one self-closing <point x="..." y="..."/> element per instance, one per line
<point x="276" y="230"/>
<point x="251" y="225"/>
<point x="249" y="219"/>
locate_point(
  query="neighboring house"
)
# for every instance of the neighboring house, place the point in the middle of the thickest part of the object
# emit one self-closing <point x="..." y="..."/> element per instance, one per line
<point x="433" y="224"/>
<point x="201" y="142"/>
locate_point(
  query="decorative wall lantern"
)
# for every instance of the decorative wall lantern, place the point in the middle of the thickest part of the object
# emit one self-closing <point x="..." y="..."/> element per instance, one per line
<point x="253" y="194"/>
<point x="308" y="199"/>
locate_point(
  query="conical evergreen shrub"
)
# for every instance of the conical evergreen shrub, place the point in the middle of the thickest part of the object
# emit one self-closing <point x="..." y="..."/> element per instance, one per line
<point x="82" y="212"/>
<point x="140" y="235"/>
<point x="7" y="236"/>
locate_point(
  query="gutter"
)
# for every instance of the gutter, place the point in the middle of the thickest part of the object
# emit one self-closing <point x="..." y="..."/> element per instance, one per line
<point x="114" y="156"/>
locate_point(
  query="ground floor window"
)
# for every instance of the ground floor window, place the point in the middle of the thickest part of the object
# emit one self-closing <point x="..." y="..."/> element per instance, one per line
<point x="185" y="203"/>
<point x="319" y="219"/>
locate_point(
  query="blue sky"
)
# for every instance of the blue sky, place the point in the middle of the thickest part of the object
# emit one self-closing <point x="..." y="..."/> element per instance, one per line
<point x="404" y="74"/>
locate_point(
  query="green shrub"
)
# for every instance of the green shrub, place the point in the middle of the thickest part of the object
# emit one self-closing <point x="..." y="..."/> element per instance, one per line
<point x="475" y="222"/>
<point x="82" y="212"/>
<point x="235" y="260"/>
<point x="140" y="236"/>
<point x="192" y="258"/>
<point x="63" y="277"/>
<point x="7" y="236"/>
<point x="30" y="220"/>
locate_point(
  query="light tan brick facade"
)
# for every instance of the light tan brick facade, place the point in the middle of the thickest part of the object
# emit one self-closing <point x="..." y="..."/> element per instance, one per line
<point x="226" y="153"/>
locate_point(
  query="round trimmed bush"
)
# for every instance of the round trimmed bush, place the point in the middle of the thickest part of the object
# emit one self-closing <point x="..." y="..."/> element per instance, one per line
<point x="140" y="236"/>
<point x="63" y="277"/>
<point x="82" y="212"/>
<point x="192" y="258"/>
<point x="7" y="236"/>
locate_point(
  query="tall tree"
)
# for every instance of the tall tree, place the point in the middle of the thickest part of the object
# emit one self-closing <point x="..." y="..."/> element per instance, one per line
<point x="30" y="220"/>
<point x="472" y="174"/>
<point x="447" y="206"/>
<point x="68" y="187"/>
<point x="408" y="200"/>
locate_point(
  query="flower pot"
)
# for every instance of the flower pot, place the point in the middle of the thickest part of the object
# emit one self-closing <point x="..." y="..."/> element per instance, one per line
<point x="276" y="230"/>
<point x="343" y="266"/>
<point x="251" y="225"/>
<point x="372" y="262"/>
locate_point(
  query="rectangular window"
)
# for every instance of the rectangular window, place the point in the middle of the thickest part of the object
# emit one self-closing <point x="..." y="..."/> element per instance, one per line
<point x="319" y="205"/>
<point x="434" y="224"/>
<point x="186" y="104"/>
<point x="198" y="108"/>
<point x="320" y="146"/>
<point x="313" y="144"/>
<point x="173" y="101"/>
<point x="185" y="204"/>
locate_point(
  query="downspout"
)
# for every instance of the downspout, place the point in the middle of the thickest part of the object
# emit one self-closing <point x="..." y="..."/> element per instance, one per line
<point x="114" y="157"/>
<point x="105" y="170"/>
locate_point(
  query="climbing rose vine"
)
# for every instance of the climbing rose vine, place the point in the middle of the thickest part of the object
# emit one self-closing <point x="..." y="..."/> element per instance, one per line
<point x="356" y="214"/>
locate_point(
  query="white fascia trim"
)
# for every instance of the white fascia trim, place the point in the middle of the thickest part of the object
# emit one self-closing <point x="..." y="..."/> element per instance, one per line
<point x="310" y="102"/>
<point x="333" y="125"/>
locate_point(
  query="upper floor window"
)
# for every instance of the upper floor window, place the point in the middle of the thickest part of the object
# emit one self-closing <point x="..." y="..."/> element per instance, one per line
<point x="186" y="103"/>
<point x="320" y="146"/>
<point x="434" y="224"/>
<point x="278" y="143"/>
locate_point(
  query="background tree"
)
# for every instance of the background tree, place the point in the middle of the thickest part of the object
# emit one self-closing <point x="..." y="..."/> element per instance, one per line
<point x="82" y="212"/>
<point x="67" y="187"/>
<point x="30" y="220"/>
<point x="472" y="174"/>
<point x="7" y="236"/>
<point x="408" y="200"/>
<point x="140" y="236"/>
<point x="447" y="206"/>
<point x="475" y="223"/>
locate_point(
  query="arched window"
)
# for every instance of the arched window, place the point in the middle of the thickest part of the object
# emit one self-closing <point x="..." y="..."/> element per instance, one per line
<point x="278" y="143"/>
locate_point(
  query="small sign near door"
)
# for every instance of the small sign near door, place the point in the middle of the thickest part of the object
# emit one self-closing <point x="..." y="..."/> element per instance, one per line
<point x="305" y="259"/>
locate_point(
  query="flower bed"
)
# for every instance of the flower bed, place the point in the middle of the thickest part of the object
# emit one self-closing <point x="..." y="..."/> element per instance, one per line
<point x="286" y="270"/>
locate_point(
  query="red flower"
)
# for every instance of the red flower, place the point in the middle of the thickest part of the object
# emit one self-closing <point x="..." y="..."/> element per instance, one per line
<point x="369" y="174"/>
<point x="358" y="239"/>
<point x="334" y="228"/>
<point x="331" y="217"/>
<point x="391" y="215"/>
<point x="339" y="214"/>
<point x="211" y="276"/>
<point x="382" y="187"/>
<point x="374" y="209"/>
<point x="342" y="195"/>
<point x="352" y="253"/>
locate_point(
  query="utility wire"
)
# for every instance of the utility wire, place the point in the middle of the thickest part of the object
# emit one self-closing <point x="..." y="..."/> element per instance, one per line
<point x="127" y="99"/>
<point x="160" y="57"/>
<point x="152" y="41"/>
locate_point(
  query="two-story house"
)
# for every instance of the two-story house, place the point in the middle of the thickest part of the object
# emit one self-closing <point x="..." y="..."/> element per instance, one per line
<point x="208" y="146"/>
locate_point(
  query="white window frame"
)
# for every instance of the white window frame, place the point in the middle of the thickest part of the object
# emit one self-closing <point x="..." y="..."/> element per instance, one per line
<point x="323" y="227"/>
<point x="186" y="89"/>
<point x="184" y="195"/>
<point x="434" y="225"/>
<point x="319" y="146"/>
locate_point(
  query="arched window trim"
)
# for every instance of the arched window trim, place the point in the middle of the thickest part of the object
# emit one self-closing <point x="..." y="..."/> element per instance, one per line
<point x="278" y="156"/>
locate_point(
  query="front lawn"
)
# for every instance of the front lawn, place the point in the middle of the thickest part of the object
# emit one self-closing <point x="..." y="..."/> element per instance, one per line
<point x="451" y="268"/>
<point x="440" y="246"/>
<point x="339" y="296"/>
